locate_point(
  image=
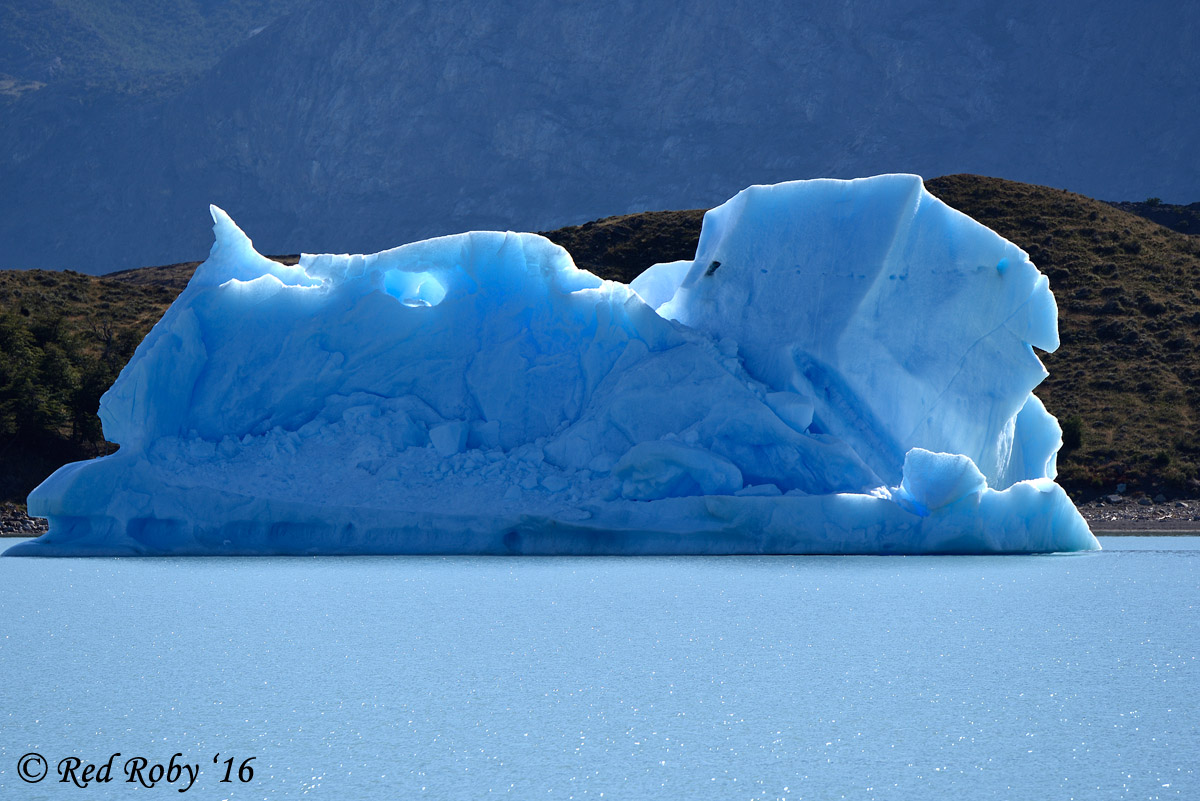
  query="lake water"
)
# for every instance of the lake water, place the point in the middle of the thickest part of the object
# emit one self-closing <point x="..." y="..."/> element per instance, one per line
<point x="1039" y="677"/>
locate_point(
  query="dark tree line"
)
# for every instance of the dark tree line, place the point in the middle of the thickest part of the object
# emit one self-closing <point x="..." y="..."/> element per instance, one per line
<point x="51" y="378"/>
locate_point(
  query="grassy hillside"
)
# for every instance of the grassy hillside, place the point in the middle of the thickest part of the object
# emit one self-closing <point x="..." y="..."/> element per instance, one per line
<point x="64" y="337"/>
<point x="620" y="248"/>
<point x="1125" y="384"/>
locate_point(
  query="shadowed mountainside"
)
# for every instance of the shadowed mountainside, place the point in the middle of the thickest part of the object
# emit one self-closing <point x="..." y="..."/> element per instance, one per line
<point x="1125" y="384"/>
<point x="125" y="44"/>
<point x="355" y="125"/>
<point x="1184" y="219"/>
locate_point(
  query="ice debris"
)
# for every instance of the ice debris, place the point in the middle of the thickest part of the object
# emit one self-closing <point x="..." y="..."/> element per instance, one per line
<point x="845" y="367"/>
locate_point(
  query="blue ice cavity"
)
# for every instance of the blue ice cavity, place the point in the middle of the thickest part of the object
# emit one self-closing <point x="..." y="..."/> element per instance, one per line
<point x="845" y="367"/>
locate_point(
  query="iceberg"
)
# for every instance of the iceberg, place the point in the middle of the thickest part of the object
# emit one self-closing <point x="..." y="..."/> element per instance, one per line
<point x="846" y="367"/>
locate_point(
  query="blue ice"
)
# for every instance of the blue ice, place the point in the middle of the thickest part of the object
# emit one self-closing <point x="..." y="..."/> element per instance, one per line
<point x="845" y="367"/>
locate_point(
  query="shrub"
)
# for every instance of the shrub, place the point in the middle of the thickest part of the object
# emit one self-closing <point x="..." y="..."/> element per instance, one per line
<point x="1072" y="436"/>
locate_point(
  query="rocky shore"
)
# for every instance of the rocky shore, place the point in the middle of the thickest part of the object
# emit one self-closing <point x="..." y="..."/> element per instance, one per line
<point x="15" y="523"/>
<point x="1109" y="514"/>
<point x="1119" y="514"/>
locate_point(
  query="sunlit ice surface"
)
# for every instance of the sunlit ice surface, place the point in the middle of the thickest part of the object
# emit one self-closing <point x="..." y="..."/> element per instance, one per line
<point x="845" y="367"/>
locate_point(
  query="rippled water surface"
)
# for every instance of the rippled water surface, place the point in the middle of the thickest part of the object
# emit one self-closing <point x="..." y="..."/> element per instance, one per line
<point x="1065" y="676"/>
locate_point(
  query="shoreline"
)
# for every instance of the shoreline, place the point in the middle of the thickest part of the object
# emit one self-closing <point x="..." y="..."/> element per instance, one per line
<point x="1136" y="534"/>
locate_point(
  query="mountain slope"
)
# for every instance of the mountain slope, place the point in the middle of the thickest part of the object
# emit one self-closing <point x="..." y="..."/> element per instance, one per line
<point x="1184" y="219"/>
<point x="358" y="125"/>
<point x="132" y="44"/>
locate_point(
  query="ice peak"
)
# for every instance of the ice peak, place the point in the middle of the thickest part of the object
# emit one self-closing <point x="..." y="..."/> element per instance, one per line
<point x="228" y="235"/>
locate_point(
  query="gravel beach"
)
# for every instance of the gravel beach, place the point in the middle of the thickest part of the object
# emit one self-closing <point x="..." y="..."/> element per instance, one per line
<point x="1117" y="514"/>
<point x="15" y="523"/>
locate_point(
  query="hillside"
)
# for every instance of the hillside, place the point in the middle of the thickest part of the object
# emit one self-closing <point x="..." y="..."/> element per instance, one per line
<point x="1125" y="384"/>
<point x="1184" y="219"/>
<point x="64" y="337"/>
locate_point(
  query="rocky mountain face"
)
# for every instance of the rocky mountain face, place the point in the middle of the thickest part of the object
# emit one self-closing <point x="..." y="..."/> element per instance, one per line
<point x="125" y="44"/>
<point x="362" y="125"/>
